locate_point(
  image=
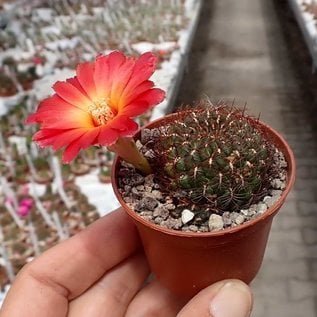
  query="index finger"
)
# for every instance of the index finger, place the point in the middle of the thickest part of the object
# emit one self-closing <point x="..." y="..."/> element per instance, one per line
<point x="68" y="269"/>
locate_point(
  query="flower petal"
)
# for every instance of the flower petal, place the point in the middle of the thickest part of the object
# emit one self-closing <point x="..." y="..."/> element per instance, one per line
<point x="123" y="124"/>
<point x="55" y="102"/>
<point x="152" y="96"/>
<point x="144" y="102"/>
<point x="46" y="133"/>
<point x="67" y="137"/>
<point x="57" y="138"/>
<point x="88" y="138"/>
<point x="71" y="151"/>
<point x="85" y="76"/>
<point x="128" y="96"/>
<point x="71" y="94"/>
<point x="101" y="76"/>
<point x="132" y="127"/>
<point x="115" y="60"/>
<point x="120" y="80"/>
<point x="105" y="68"/>
<point x="107" y="136"/>
<point x="143" y="70"/>
<point x="67" y="119"/>
<point x="74" y="81"/>
<point x="119" y="126"/>
<point x="135" y="108"/>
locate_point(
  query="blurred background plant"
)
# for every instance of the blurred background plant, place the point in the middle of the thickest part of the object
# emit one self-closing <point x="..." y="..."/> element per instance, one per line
<point x="42" y="41"/>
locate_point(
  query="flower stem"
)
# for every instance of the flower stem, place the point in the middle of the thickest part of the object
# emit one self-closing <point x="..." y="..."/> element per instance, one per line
<point x="128" y="151"/>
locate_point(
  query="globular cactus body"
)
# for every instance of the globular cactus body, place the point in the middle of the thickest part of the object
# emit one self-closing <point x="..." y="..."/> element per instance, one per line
<point x="214" y="155"/>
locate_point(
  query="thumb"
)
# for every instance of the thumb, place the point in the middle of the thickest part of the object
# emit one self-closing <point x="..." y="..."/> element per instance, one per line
<point x="228" y="298"/>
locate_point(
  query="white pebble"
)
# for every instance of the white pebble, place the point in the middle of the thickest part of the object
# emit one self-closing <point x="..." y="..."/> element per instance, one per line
<point x="276" y="193"/>
<point x="261" y="208"/>
<point x="277" y="183"/>
<point x="215" y="222"/>
<point x="187" y="216"/>
<point x="239" y="220"/>
<point x="193" y="228"/>
<point x="266" y="198"/>
<point x="270" y="201"/>
<point x="170" y="206"/>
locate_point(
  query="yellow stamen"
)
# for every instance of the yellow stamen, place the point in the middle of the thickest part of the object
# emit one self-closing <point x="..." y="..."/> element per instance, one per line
<point x="101" y="112"/>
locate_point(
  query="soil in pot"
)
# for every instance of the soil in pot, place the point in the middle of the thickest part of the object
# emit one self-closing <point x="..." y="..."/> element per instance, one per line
<point x="79" y="169"/>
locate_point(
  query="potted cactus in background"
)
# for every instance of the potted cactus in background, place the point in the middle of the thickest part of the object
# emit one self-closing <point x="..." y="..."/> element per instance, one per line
<point x="27" y="77"/>
<point x="7" y="86"/>
<point x="43" y="173"/>
<point x="104" y="174"/>
<point x="202" y="185"/>
<point x="9" y="92"/>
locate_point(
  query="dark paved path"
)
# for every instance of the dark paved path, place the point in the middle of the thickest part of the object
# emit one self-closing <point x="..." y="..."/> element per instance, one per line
<point x="252" y="50"/>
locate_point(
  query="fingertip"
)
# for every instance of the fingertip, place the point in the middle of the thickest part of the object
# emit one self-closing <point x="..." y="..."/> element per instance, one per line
<point x="227" y="298"/>
<point x="234" y="299"/>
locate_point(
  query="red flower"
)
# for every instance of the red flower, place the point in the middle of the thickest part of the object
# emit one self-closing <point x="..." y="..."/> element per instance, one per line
<point x="37" y="60"/>
<point x="96" y="106"/>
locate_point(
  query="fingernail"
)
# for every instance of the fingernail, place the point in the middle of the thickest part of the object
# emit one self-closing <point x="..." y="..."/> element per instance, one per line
<point x="232" y="300"/>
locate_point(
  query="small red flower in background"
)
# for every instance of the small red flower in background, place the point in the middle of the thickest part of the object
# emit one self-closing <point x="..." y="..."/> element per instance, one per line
<point x="37" y="60"/>
<point x="96" y="106"/>
<point x="25" y="207"/>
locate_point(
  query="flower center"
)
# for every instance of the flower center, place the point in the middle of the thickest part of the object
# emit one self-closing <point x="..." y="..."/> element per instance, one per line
<point x="101" y="112"/>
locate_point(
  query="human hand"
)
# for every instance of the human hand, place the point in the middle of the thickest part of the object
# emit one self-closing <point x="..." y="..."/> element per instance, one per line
<point x="101" y="272"/>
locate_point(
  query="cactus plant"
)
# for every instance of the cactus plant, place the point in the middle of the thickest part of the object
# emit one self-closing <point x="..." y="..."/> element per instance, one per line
<point x="215" y="156"/>
<point x="27" y="77"/>
<point x="7" y="86"/>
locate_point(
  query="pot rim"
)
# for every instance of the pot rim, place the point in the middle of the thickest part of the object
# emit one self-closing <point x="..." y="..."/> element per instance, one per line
<point x="285" y="148"/>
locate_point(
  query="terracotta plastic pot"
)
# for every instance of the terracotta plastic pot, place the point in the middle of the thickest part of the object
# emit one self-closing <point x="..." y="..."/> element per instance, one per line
<point x="187" y="262"/>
